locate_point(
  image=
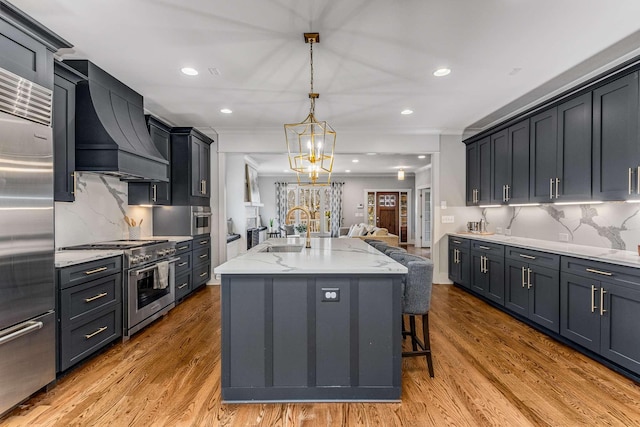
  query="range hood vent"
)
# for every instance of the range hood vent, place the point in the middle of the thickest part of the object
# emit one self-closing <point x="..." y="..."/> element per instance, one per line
<point x="111" y="133"/>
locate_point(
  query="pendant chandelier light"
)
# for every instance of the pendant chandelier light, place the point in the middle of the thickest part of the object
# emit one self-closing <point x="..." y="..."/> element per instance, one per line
<point x="311" y="143"/>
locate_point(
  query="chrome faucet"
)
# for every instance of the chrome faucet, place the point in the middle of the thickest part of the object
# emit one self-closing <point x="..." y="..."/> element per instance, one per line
<point x="306" y="211"/>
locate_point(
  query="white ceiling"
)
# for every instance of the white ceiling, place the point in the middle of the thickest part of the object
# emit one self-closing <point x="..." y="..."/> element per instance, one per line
<point x="375" y="57"/>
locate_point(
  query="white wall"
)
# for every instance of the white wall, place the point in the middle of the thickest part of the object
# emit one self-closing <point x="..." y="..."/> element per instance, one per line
<point x="235" y="197"/>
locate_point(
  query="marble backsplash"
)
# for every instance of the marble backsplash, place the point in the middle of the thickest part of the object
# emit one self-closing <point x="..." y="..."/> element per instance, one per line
<point x="614" y="225"/>
<point x="98" y="212"/>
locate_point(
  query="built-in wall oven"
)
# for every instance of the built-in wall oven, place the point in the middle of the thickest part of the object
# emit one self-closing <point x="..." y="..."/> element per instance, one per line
<point x="181" y="220"/>
<point x="149" y="280"/>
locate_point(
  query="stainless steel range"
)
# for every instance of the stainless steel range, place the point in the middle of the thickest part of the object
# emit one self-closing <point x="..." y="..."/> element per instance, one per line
<point x="149" y="279"/>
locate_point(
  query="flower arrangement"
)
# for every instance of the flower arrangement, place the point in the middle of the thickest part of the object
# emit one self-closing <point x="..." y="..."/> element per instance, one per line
<point x="301" y="228"/>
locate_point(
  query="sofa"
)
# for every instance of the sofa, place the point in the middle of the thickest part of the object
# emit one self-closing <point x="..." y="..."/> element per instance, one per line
<point x="363" y="231"/>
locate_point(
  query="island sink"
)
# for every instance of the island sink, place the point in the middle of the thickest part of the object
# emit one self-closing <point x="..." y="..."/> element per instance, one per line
<point x="282" y="248"/>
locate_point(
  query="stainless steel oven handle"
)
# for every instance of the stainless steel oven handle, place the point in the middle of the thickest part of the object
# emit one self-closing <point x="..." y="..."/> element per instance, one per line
<point x="20" y="330"/>
<point x="142" y="270"/>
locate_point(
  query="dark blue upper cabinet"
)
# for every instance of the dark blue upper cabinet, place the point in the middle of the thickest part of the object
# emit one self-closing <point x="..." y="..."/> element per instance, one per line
<point x="616" y="147"/>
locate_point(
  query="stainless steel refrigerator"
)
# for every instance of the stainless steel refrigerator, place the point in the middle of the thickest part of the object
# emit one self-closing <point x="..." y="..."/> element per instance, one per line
<point x="27" y="289"/>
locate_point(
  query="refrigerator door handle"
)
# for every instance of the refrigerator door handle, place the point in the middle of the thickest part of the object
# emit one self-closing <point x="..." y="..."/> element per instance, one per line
<point x="19" y="331"/>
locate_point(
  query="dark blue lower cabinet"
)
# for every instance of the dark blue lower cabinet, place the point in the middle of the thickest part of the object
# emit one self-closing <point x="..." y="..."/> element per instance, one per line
<point x="284" y="339"/>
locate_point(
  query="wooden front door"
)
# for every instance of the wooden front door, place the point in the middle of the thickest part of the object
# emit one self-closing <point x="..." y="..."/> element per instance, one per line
<point x="387" y="211"/>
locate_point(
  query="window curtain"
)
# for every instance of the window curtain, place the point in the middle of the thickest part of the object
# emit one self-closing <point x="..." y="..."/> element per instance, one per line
<point x="281" y="203"/>
<point x="336" y="207"/>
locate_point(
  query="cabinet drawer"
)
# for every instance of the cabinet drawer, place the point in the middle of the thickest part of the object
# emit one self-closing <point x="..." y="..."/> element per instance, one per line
<point x="201" y="241"/>
<point x="183" y="247"/>
<point x="183" y="264"/>
<point x="201" y="256"/>
<point x="76" y="274"/>
<point x="87" y="298"/>
<point x="201" y="274"/>
<point x="542" y="259"/>
<point x="183" y="285"/>
<point x="622" y="275"/>
<point x="488" y="248"/>
<point x="76" y="343"/>
<point x="456" y="242"/>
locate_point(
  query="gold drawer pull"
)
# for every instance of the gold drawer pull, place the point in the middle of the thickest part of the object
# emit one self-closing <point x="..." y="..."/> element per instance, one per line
<point x="100" y="330"/>
<point x="103" y="294"/>
<point x="183" y="247"/>
<point x="485" y="248"/>
<point x="203" y="274"/>
<point x="183" y="285"/>
<point x="204" y="242"/>
<point x="182" y="264"/>
<point x="203" y="256"/>
<point x="604" y="273"/>
<point x="456" y="241"/>
<point x="97" y="270"/>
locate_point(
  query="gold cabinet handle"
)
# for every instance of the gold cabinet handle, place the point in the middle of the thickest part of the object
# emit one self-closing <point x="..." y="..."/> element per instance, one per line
<point x="557" y="184"/>
<point x="100" y="330"/>
<point x="203" y="256"/>
<point x="182" y="264"/>
<point x="101" y="295"/>
<point x="205" y="186"/>
<point x="602" y="310"/>
<point x="183" y="285"/>
<point x="181" y="248"/>
<point x="204" y="242"/>
<point x="154" y="197"/>
<point x="550" y="188"/>
<point x="508" y="196"/>
<point x="630" y="173"/>
<point x="456" y="256"/>
<point x="504" y="193"/>
<point x="529" y="278"/>
<point x="593" y="299"/>
<point x="203" y="274"/>
<point x="457" y="241"/>
<point x="523" y="278"/>
<point x="527" y="256"/>
<point x="486" y="248"/>
<point x="604" y="273"/>
<point x="97" y="270"/>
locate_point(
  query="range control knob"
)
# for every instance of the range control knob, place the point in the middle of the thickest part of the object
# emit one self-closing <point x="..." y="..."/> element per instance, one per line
<point x="147" y="257"/>
<point x="162" y="252"/>
<point x="135" y="259"/>
<point x="172" y="251"/>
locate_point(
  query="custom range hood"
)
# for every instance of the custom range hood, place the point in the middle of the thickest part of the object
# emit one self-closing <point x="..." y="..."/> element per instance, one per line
<point x="111" y="134"/>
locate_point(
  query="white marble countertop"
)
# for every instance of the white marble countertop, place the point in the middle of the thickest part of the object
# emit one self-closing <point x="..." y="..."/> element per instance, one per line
<point x="176" y="239"/>
<point x="614" y="256"/>
<point x="72" y="257"/>
<point x="326" y="256"/>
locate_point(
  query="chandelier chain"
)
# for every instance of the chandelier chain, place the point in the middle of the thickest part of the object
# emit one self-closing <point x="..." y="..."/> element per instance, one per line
<point x="313" y="99"/>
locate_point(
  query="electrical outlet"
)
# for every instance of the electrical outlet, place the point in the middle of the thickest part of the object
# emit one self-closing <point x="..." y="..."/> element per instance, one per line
<point x="447" y="219"/>
<point x="330" y="294"/>
<point x="563" y="237"/>
<point x="498" y="230"/>
<point x="507" y="232"/>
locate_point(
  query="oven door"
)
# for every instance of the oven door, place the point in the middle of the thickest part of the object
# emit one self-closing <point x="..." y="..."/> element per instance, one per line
<point x="148" y="295"/>
<point x="200" y="220"/>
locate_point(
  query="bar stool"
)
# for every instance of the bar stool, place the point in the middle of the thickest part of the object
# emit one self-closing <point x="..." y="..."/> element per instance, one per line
<point x="416" y="301"/>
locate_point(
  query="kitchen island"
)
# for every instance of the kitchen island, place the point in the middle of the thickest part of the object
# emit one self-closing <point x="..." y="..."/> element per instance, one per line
<point x="311" y="324"/>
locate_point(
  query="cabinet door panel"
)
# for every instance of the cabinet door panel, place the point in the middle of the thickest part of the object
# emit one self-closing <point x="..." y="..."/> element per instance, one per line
<point x="516" y="292"/>
<point x="478" y="278"/>
<point x="620" y="339"/>
<point x="615" y="138"/>
<point x="500" y="166"/>
<point x="465" y="268"/>
<point x="544" y="297"/>
<point x="495" y="282"/>
<point x="519" y="162"/>
<point x="472" y="172"/>
<point x="544" y="133"/>
<point x="574" y="148"/>
<point x="454" y="270"/>
<point x="484" y="165"/>
<point x="196" y="184"/>
<point x="579" y="322"/>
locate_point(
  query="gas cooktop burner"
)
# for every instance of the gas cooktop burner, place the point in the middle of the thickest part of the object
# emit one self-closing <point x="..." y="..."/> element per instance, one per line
<point x="117" y="244"/>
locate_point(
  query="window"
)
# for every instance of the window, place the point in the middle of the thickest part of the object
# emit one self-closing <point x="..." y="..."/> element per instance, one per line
<point x="317" y="200"/>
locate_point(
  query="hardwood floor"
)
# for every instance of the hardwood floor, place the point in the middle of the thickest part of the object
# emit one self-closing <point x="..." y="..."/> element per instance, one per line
<point x="489" y="370"/>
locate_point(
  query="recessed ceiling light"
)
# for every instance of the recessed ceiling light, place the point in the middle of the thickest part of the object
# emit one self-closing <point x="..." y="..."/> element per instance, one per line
<point x="355" y="160"/>
<point x="189" y="71"/>
<point x="440" y="72"/>
<point x="348" y="170"/>
<point x="407" y="111"/>
<point x="226" y="111"/>
<point x="421" y="156"/>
